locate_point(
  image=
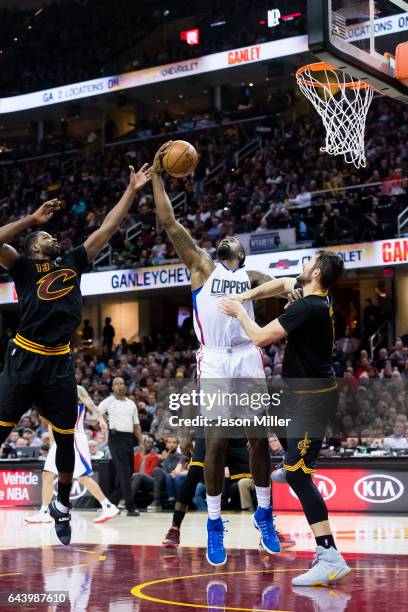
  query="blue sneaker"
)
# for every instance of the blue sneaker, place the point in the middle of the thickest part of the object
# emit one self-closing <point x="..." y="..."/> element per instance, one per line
<point x="216" y="554"/>
<point x="263" y="521"/>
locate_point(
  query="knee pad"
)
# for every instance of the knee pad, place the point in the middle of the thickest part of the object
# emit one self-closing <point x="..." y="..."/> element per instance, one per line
<point x="313" y="504"/>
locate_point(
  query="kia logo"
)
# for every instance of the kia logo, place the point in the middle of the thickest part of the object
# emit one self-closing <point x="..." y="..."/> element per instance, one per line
<point x="378" y="488"/>
<point x="77" y="489"/>
<point x="326" y="486"/>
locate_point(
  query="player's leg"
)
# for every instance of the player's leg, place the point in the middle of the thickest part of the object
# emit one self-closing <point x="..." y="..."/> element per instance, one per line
<point x="216" y="448"/>
<point x="57" y="397"/>
<point x="300" y="461"/>
<point x="187" y="490"/>
<point x="260" y="464"/>
<point x="108" y="510"/>
<point x="16" y="395"/>
<point x="331" y="566"/>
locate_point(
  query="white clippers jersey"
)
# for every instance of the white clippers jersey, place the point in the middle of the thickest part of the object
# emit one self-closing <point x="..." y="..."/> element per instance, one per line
<point x="212" y="327"/>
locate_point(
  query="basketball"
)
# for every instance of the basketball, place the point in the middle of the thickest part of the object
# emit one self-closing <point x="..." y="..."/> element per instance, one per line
<point x="180" y="159"/>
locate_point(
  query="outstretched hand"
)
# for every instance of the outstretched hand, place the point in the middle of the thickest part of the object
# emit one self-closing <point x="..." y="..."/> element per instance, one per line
<point x="157" y="165"/>
<point x="46" y="211"/>
<point x="138" y="180"/>
<point x="296" y="294"/>
<point x="232" y="308"/>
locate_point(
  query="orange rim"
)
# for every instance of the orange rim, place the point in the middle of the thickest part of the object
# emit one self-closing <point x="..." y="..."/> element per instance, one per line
<point x="320" y="67"/>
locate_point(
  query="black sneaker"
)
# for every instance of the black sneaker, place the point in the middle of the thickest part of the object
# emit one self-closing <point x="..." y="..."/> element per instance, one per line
<point x="62" y="523"/>
<point x="132" y="512"/>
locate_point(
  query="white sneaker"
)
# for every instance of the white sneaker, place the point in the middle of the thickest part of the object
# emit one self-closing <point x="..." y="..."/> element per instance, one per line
<point x="39" y="517"/>
<point x="279" y="476"/>
<point x="330" y="568"/>
<point x="107" y="514"/>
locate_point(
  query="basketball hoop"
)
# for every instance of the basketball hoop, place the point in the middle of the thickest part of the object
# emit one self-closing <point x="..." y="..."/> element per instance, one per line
<point x="342" y="102"/>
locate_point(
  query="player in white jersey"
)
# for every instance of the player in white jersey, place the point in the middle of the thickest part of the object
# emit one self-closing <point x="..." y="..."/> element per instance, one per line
<point x="83" y="466"/>
<point x="226" y="353"/>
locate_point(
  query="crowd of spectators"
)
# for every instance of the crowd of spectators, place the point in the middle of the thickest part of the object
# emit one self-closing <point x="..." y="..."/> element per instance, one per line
<point x="68" y="41"/>
<point x="278" y="186"/>
<point x="372" y="413"/>
<point x="373" y="390"/>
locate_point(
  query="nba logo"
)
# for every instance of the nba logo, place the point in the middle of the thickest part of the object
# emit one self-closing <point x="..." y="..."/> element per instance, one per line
<point x="273" y="17"/>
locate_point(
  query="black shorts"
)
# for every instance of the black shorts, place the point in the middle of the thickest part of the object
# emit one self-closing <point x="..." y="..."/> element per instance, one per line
<point x="48" y="381"/>
<point x="310" y="415"/>
<point x="236" y="459"/>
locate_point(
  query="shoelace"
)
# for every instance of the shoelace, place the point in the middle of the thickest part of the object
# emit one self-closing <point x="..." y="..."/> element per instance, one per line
<point x="218" y="533"/>
<point x="264" y="524"/>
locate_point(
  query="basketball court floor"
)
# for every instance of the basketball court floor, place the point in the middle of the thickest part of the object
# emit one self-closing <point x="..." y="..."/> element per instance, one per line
<point x="120" y="566"/>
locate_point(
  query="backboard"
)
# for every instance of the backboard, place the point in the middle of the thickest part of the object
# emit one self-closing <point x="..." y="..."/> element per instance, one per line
<point x="361" y="37"/>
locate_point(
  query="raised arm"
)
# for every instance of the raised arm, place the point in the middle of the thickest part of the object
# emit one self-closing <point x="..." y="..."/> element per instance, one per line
<point x="98" y="240"/>
<point x="85" y="398"/>
<point x="190" y="254"/>
<point x="43" y="214"/>
<point x="272" y="288"/>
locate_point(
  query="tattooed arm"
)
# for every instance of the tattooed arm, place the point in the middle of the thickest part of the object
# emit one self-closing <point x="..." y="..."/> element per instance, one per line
<point x="194" y="258"/>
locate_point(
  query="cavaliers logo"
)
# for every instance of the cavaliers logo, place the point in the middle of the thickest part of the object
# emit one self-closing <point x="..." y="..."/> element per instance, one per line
<point x="45" y="289"/>
<point x="303" y="445"/>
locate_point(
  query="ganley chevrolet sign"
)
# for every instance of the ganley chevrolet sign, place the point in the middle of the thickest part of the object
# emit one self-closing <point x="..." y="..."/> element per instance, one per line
<point x="137" y="78"/>
<point x="278" y="263"/>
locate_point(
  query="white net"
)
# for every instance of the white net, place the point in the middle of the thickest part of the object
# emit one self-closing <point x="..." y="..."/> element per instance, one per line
<point x="342" y="102"/>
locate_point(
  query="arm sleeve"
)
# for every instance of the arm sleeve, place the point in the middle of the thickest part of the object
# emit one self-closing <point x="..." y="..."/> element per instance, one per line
<point x="295" y="316"/>
<point x="77" y="258"/>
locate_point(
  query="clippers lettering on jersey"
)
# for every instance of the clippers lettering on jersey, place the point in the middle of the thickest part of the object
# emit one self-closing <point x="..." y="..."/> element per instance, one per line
<point x="45" y="284"/>
<point x="222" y="286"/>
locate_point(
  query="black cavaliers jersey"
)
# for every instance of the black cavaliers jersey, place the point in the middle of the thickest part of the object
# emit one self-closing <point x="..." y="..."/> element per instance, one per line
<point x="309" y="349"/>
<point x="49" y="296"/>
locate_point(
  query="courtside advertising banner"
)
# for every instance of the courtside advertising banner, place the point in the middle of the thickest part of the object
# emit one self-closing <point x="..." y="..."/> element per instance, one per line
<point x="22" y="487"/>
<point x="157" y="74"/>
<point x="352" y="490"/>
<point x="386" y="253"/>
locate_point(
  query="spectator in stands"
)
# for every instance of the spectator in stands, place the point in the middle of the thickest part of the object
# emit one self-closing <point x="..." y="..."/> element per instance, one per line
<point x="371" y="317"/>
<point x="398" y="440"/>
<point x="145" y="461"/>
<point x="108" y="334"/>
<point x="160" y="421"/>
<point x="87" y="332"/>
<point x="168" y="476"/>
<point x="32" y="439"/>
<point x="96" y="452"/>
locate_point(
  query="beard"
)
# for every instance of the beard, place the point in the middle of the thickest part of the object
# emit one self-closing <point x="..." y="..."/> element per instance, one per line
<point x="302" y="280"/>
<point x="225" y="253"/>
<point x="52" y="251"/>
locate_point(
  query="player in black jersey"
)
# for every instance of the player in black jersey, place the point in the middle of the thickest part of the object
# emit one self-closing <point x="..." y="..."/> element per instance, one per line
<point x="311" y="395"/>
<point x="39" y="367"/>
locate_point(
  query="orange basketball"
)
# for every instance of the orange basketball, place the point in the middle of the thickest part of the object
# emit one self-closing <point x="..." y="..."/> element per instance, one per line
<point x="180" y="159"/>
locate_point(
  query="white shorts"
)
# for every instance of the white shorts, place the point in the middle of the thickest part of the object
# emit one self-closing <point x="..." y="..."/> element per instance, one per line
<point x="237" y="371"/>
<point x="83" y="465"/>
